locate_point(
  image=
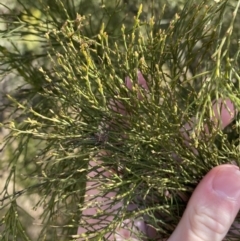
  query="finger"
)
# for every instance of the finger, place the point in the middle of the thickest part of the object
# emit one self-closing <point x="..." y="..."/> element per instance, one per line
<point x="212" y="207"/>
<point x="90" y="223"/>
<point x="141" y="81"/>
<point x="224" y="111"/>
<point x="97" y="202"/>
<point x="223" y="114"/>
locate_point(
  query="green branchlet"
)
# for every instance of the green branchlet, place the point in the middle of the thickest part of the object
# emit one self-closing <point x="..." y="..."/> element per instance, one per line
<point x="72" y="110"/>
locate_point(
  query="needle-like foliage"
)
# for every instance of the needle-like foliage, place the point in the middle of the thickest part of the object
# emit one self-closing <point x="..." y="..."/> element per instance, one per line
<point x="69" y="105"/>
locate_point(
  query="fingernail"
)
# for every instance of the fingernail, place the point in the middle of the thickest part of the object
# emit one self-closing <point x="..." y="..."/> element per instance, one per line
<point x="227" y="182"/>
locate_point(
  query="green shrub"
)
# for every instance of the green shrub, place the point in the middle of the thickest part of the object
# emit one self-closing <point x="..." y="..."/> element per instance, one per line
<point x="71" y="71"/>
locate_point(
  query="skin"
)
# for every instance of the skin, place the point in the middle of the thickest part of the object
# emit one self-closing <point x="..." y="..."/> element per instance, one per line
<point x="210" y="211"/>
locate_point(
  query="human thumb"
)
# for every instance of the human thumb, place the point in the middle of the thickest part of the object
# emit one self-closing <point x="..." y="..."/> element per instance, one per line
<point x="212" y="207"/>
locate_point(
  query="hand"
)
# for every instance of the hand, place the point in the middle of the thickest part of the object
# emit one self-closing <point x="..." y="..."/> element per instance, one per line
<point x="210" y="211"/>
<point x="212" y="207"/>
